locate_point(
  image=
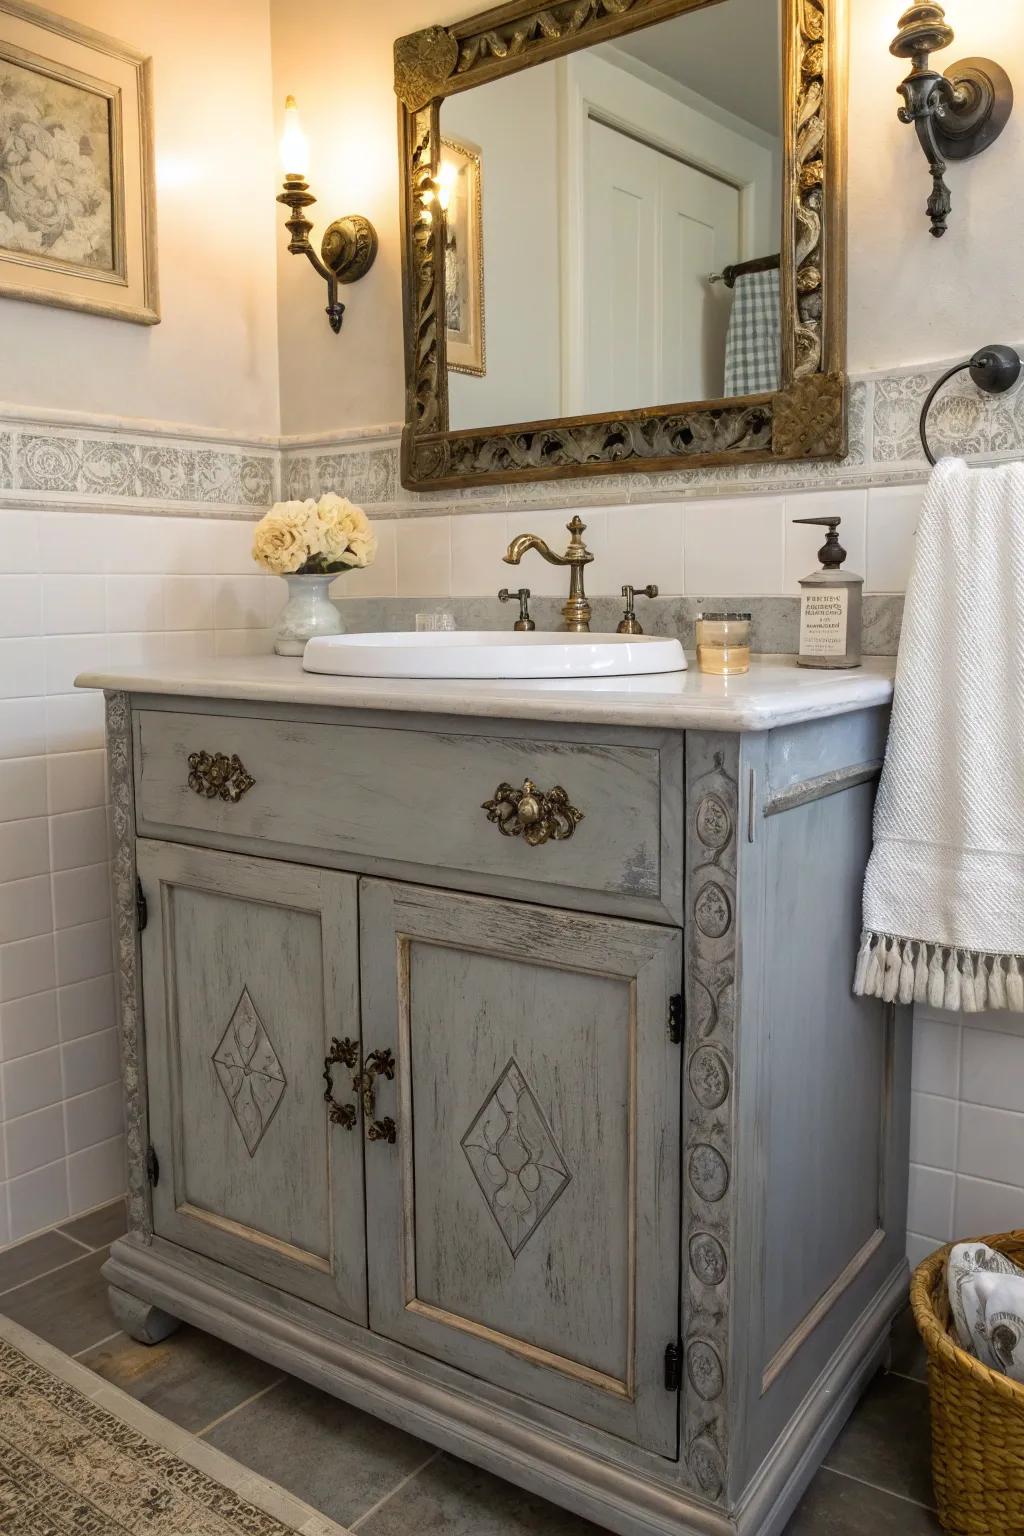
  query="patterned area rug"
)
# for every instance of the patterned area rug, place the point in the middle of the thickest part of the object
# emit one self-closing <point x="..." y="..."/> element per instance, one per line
<point x="79" y="1457"/>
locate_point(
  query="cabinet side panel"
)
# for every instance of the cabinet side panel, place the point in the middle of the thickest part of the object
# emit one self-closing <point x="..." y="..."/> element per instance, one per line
<point x="826" y="1062"/>
<point x="825" y="1124"/>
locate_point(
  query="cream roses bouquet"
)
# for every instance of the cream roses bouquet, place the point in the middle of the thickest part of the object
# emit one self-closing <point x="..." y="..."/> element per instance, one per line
<point x="314" y="538"/>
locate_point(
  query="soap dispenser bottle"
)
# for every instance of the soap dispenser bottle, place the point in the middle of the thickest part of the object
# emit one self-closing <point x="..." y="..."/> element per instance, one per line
<point x="831" y="607"/>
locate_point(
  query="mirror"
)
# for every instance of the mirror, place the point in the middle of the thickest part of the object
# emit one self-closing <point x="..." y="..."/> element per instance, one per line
<point x="595" y="209"/>
<point x="624" y="238"/>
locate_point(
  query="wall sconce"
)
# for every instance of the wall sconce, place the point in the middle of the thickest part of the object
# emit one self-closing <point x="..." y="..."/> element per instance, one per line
<point x="957" y="114"/>
<point x="349" y="246"/>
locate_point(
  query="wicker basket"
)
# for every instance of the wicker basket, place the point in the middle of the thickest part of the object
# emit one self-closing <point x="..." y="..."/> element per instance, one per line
<point x="977" y="1414"/>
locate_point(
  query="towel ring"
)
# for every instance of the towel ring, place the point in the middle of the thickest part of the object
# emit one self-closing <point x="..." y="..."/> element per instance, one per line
<point x="994" y="369"/>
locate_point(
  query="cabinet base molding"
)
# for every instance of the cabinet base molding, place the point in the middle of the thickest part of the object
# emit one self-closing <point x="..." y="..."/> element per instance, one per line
<point x="149" y="1288"/>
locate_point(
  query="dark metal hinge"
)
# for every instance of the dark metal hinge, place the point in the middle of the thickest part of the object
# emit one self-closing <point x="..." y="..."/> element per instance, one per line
<point x="673" y="1366"/>
<point x="675" y="1019"/>
<point x="141" y="906"/>
<point x="152" y="1166"/>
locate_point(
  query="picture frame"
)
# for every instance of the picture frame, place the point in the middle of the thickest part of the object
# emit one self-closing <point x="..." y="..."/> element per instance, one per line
<point x="461" y="176"/>
<point x="77" y="195"/>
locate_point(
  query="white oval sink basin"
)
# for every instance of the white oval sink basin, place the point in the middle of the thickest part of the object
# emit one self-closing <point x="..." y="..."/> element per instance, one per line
<point x="493" y="654"/>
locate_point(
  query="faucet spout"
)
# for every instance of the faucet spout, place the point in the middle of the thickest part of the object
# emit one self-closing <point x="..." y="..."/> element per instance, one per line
<point x="576" y="612"/>
<point x="523" y="543"/>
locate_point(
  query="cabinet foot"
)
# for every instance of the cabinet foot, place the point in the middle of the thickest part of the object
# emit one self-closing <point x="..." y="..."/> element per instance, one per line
<point x="140" y="1320"/>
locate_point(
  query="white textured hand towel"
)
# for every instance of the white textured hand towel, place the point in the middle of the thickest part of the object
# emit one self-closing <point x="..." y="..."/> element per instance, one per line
<point x="944" y="892"/>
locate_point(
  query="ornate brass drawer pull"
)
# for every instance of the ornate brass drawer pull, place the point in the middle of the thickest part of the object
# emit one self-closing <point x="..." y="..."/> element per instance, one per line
<point x="214" y="775"/>
<point x="533" y="814"/>
<point x="344" y="1053"/>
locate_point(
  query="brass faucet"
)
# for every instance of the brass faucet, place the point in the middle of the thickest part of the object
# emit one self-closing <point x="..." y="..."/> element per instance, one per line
<point x="576" y="611"/>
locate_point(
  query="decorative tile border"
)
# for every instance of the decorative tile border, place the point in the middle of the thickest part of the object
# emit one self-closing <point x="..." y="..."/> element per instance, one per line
<point x="124" y="470"/>
<point x="885" y="449"/>
<point x="369" y="475"/>
<point x="170" y="470"/>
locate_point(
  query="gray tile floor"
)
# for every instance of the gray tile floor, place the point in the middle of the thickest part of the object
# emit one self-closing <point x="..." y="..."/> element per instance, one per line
<point x="382" y="1482"/>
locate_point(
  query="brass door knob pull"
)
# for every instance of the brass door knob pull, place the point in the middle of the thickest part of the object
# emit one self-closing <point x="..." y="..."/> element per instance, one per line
<point x="343" y="1053"/>
<point x="377" y="1064"/>
<point x="217" y="776"/>
<point x="536" y="815"/>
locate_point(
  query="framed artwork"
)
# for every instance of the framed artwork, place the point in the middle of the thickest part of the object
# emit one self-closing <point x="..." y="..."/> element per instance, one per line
<point x="461" y="182"/>
<point x="77" y="208"/>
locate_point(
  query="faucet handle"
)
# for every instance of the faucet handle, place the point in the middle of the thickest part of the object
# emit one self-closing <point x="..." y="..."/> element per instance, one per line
<point x="630" y="624"/>
<point x="524" y="622"/>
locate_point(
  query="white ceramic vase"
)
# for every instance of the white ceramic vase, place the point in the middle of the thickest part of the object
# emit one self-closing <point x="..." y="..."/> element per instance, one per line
<point x="308" y="612"/>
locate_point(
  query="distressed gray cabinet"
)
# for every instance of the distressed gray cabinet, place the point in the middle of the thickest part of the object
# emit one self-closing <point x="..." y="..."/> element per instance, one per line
<point x="607" y="1191"/>
<point x="538" y="1091"/>
<point x="249" y="968"/>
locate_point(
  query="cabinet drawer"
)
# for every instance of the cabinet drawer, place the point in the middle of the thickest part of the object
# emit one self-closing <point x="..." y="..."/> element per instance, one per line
<point x="410" y="799"/>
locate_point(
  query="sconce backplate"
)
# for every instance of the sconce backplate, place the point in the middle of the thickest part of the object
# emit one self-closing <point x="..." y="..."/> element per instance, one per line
<point x="965" y="130"/>
<point x="349" y="247"/>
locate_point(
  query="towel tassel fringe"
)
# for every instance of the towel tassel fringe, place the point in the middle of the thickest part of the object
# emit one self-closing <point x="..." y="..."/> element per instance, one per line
<point x="959" y="980"/>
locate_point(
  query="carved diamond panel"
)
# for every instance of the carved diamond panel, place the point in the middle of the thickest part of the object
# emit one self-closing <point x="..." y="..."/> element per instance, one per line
<point x="249" y="1071"/>
<point x="515" y="1159"/>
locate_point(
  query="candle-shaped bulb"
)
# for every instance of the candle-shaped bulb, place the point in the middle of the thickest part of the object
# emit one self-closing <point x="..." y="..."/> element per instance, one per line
<point x="294" y="144"/>
<point x="447" y="176"/>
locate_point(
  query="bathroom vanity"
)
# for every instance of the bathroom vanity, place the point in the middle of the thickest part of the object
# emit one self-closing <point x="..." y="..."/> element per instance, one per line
<point x="537" y="1119"/>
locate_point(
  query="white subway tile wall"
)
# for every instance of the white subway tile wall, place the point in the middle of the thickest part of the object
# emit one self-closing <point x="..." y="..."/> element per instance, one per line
<point x="966" y="1129"/>
<point x="80" y="588"/>
<point x="720" y="547"/>
<point x="76" y="589"/>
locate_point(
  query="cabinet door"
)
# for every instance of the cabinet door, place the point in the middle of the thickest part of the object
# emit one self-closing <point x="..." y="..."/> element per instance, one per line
<point x="524" y="1225"/>
<point x="250" y="967"/>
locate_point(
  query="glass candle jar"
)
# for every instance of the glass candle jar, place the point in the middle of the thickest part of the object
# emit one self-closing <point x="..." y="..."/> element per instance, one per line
<point x="723" y="643"/>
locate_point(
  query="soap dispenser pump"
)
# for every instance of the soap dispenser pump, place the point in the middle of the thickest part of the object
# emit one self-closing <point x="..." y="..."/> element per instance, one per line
<point x="831" y="608"/>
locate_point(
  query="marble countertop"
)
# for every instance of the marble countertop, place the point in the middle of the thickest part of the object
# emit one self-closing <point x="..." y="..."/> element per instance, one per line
<point x="774" y="692"/>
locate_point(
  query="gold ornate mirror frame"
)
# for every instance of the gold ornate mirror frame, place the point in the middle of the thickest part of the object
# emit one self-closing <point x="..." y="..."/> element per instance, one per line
<point x="804" y="419"/>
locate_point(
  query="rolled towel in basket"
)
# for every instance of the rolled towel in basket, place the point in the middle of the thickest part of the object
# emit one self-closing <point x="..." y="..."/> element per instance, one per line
<point x="986" y="1296"/>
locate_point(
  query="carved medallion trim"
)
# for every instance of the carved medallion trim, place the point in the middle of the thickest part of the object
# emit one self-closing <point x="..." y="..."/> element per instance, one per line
<point x="708" y="1173"/>
<point x="713" y="822"/>
<point x="515" y="1158"/>
<point x="712" y="851"/>
<point x="709" y="1077"/>
<point x="704" y="1370"/>
<point x="712" y="911"/>
<point x="707" y="1258"/>
<point x="706" y="1462"/>
<point x="804" y="419"/>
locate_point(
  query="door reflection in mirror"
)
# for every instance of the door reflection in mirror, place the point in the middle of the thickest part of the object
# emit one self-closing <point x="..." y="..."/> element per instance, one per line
<point x="612" y="188"/>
